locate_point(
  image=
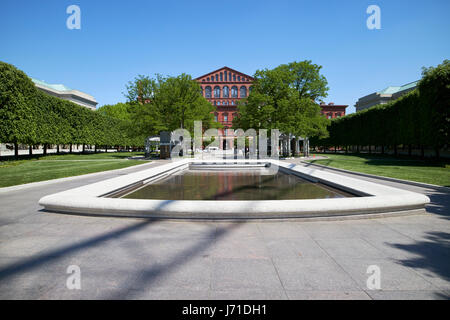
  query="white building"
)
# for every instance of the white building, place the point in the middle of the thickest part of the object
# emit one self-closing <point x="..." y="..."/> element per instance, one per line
<point x="63" y="92"/>
<point x="384" y="96"/>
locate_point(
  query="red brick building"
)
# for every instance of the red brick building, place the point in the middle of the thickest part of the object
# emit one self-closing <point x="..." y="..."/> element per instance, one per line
<point x="224" y="87"/>
<point x="332" y="110"/>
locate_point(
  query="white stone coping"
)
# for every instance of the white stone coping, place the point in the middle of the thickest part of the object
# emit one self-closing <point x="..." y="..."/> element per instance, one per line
<point x="375" y="198"/>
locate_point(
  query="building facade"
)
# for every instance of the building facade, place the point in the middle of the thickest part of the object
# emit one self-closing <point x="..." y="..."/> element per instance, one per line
<point x="224" y="87"/>
<point x="384" y="96"/>
<point x="63" y="92"/>
<point x="332" y="110"/>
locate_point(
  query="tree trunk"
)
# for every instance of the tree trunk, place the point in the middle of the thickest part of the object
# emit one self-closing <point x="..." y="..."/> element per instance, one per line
<point x="57" y="149"/>
<point x="370" y="149"/>
<point x="95" y="149"/>
<point x="357" y="148"/>
<point x="395" y="151"/>
<point x="382" y="149"/>
<point x="409" y="150"/>
<point x="106" y="149"/>
<point x="16" y="150"/>
<point x="83" y="147"/>
<point x="45" y="149"/>
<point x="70" y="148"/>
<point x="422" y="152"/>
<point x="30" y="149"/>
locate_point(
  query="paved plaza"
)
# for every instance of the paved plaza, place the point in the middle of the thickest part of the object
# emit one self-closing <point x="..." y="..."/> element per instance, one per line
<point x="124" y="258"/>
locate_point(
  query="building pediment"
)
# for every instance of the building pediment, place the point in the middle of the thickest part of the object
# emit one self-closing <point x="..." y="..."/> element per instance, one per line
<point x="225" y="74"/>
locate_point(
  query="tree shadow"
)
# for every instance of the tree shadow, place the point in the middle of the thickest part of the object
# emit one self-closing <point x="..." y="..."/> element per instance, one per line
<point x="432" y="255"/>
<point x="34" y="262"/>
<point x="146" y="276"/>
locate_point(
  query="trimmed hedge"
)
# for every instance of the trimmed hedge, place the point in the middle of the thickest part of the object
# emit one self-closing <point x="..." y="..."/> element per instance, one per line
<point x="420" y="118"/>
<point x="30" y="116"/>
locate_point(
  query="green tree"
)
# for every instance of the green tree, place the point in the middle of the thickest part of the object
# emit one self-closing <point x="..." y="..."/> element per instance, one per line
<point x="17" y="112"/>
<point x="176" y="103"/>
<point x="434" y="90"/>
<point x="284" y="98"/>
<point x="141" y="89"/>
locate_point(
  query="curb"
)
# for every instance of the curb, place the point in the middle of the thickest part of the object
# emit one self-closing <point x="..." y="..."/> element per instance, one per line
<point x="47" y="182"/>
<point x="413" y="183"/>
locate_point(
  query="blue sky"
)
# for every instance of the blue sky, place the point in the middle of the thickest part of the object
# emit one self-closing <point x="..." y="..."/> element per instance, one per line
<point x="121" y="39"/>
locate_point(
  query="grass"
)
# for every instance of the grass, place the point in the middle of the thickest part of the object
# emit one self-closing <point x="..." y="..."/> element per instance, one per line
<point x="426" y="171"/>
<point x="93" y="156"/>
<point x="15" y="172"/>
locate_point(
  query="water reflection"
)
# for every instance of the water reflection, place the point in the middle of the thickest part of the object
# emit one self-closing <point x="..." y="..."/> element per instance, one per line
<point x="234" y="185"/>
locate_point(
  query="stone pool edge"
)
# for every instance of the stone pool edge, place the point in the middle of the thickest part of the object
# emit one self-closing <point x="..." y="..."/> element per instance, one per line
<point x="374" y="198"/>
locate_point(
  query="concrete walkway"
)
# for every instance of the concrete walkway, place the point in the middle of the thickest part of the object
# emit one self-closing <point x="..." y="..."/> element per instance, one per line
<point x="144" y="259"/>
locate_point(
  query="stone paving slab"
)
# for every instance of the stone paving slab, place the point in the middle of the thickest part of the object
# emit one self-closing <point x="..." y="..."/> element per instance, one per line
<point x="123" y="258"/>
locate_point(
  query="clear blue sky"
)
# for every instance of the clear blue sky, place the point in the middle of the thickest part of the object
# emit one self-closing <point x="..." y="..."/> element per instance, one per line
<point x="121" y="39"/>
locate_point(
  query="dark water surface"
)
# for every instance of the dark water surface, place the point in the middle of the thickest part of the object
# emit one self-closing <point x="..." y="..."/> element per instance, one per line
<point x="234" y="185"/>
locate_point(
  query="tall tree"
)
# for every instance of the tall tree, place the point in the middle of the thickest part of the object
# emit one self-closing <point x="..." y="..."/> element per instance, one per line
<point x="17" y="111"/>
<point x="284" y="98"/>
<point x="176" y="103"/>
<point x="141" y="89"/>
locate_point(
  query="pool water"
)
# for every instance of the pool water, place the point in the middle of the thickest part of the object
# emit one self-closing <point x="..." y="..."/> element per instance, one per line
<point x="234" y="185"/>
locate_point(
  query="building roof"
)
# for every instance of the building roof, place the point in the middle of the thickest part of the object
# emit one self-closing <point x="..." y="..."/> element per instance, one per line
<point x="57" y="87"/>
<point x="225" y="68"/>
<point x="60" y="89"/>
<point x="395" y="89"/>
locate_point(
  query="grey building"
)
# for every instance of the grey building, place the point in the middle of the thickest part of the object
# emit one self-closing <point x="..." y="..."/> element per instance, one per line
<point x="384" y="96"/>
<point x="63" y="92"/>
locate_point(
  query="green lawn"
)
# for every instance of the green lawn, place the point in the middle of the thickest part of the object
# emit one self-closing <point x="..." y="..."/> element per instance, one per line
<point x="52" y="167"/>
<point x="428" y="171"/>
<point x="92" y="156"/>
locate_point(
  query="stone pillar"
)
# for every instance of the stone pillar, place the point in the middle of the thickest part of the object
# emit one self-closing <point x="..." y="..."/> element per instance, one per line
<point x="296" y="147"/>
<point x="289" y="145"/>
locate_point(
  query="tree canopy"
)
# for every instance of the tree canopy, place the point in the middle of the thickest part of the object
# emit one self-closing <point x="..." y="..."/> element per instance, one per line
<point x="285" y="98"/>
<point x="30" y="116"/>
<point x="420" y="118"/>
<point x="176" y="103"/>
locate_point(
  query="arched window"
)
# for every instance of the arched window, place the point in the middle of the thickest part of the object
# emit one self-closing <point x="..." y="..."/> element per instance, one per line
<point x="217" y="92"/>
<point x="226" y="92"/>
<point x="226" y="76"/>
<point x="243" y="92"/>
<point x="218" y="103"/>
<point x="221" y="77"/>
<point x="207" y="79"/>
<point x="217" y="78"/>
<point x="234" y="92"/>
<point x="239" y="78"/>
<point x="234" y="77"/>
<point x="208" y="92"/>
<point x="250" y="89"/>
<point x="225" y="117"/>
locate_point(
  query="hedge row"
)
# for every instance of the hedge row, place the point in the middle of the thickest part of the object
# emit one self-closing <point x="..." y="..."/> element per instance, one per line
<point x="30" y="116"/>
<point x="420" y="118"/>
